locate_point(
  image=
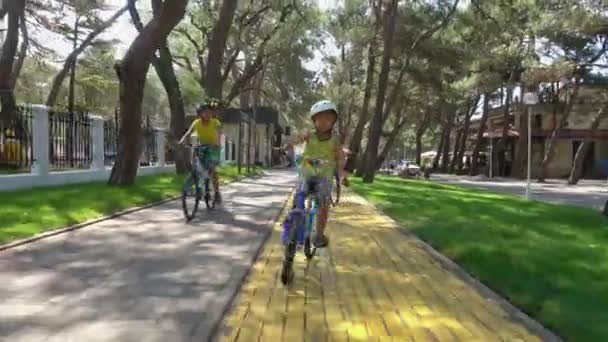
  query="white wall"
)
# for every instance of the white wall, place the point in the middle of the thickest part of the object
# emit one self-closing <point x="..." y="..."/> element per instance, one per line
<point x="40" y="175"/>
<point x="231" y="132"/>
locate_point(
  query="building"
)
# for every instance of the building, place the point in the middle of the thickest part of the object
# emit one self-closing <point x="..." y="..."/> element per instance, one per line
<point x="545" y="117"/>
<point x="2" y="28"/>
<point x="237" y="130"/>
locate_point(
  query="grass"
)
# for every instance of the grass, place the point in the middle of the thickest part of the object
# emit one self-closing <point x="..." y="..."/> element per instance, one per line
<point x="549" y="260"/>
<point x="24" y="213"/>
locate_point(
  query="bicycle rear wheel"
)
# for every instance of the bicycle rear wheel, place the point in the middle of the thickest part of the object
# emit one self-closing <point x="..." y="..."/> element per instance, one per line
<point x="191" y="196"/>
<point x="209" y="197"/>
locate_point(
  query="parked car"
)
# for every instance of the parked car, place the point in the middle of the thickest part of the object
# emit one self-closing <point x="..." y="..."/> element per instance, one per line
<point x="408" y="169"/>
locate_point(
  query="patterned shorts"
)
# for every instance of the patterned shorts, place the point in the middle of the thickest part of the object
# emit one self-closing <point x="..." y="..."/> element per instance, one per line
<point x="321" y="185"/>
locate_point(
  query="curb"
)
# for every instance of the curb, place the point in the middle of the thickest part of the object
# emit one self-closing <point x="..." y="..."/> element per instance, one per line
<point x="514" y="312"/>
<point x="83" y="224"/>
<point x="214" y="334"/>
<point x="77" y="226"/>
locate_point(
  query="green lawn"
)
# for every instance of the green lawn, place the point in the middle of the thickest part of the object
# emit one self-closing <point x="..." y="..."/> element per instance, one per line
<point x="549" y="260"/>
<point x="24" y="213"/>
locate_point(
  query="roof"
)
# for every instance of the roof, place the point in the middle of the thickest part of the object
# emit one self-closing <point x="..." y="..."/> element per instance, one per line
<point x="263" y="115"/>
<point x="497" y="133"/>
<point x="595" y="79"/>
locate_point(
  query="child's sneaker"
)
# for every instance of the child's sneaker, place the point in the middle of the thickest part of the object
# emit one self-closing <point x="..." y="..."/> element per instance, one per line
<point x="321" y="241"/>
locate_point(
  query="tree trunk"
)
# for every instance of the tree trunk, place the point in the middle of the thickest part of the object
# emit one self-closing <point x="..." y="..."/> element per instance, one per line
<point x="73" y="56"/>
<point x="25" y="42"/>
<point x="355" y="142"/>
<point x="132" y="75"/>
<point x="465" y="134"/>
<point x="388" y="145"/>
<point x="217" y="45"/>
<point x="550" y="153"/>
<point x="482" y="127"/>
<point x="456" y="152"/>
<point x="583" y="149"/>
<point x="439" y="150"/>
<point x="14" y="10"/>
<point x="375" y="129"/>
<point x="521" y="149"/>
<point x="163" y="65"/>
<point x="177" y="124"/>
<point x="499" y="149"/>
<point x="419" y="134"/>
<point x="72" y="83"/>
<point x="445" y="162"/>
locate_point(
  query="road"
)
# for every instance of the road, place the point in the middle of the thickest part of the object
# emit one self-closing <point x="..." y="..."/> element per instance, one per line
<point x="590" y="194"/>
<point x="146" y="276"/>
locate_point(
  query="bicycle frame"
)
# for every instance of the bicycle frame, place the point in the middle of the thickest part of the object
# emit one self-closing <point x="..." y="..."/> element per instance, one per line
<point x="200" y="167"/>
<point x="298" y="229"/>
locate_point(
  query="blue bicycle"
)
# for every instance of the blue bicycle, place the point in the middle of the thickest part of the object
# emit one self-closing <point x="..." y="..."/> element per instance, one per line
<point x="299" y="228"/>
<point x="202" y="156"/>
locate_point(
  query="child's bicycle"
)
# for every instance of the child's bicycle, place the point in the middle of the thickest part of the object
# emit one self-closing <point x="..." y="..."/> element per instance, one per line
<point x="201" y="157"/>
<point x="299" y="228"/>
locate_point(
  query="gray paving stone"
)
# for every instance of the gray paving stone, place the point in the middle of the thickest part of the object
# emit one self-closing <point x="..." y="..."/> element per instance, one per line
<point x="145" y="276"/>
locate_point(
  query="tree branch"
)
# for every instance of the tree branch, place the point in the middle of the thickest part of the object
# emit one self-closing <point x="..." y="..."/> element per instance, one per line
<point x="230" y="63"/>
<point x="184" y="32"/>
<point x="186" y="64"/>
<point x="258" y="62"/>
<point x="59" y="78"/>
<point x="256" y="15"/>
<point x="135" y="15"/>
<point x="396" y="88"/>
<point x="431" y="31"/>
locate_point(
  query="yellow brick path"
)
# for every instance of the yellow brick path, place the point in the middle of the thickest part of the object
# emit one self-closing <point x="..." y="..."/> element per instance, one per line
<point x="374" y="283"/>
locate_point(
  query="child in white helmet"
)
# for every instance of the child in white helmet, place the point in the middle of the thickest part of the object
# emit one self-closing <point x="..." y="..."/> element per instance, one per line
<point x="323" y="145"/>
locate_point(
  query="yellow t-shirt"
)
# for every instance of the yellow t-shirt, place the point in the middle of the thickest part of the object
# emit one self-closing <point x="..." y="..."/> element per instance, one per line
<point x="207" y="133"/>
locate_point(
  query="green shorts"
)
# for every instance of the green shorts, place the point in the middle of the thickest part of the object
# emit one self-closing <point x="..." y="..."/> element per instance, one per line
<point x="209" y="156"/>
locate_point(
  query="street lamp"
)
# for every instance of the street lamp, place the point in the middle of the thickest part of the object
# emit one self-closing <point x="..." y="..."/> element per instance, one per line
<point x="530" y="99"/>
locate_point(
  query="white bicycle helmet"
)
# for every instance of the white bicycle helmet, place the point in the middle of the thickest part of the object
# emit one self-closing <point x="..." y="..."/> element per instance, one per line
<point x="323" y="106"/>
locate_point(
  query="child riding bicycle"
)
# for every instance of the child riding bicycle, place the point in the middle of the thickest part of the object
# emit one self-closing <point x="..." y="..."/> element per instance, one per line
<point x="208" y="131"/>
<point x="321" y="145"/>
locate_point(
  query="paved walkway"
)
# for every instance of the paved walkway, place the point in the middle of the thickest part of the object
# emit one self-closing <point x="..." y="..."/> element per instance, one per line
<point x="588" y="193"/>
<point x="146" y="276"/>
<point x="373" y="283"/>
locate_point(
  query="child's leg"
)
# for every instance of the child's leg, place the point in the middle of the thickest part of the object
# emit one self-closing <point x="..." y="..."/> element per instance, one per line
<point x="324" y="192"/>
<point x="322" y="219"/>
<point x="216" y="180"/>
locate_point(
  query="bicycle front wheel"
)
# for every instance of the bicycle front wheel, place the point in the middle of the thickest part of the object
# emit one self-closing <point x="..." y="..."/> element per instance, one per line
<point x="191" y="196"/>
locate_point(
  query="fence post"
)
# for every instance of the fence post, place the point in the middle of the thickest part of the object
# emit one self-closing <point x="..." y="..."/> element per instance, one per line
<point x="222" y="148"/>
<point x="40" y="140"/>
<point x="97" y="140"/>
<point x="161" y="141"/>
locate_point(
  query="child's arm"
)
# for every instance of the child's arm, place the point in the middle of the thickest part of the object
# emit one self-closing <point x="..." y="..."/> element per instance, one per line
<point x="187" y="134"/>
<point x="340" y="160"/>
<point x="219" y="134"/>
